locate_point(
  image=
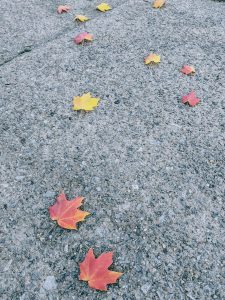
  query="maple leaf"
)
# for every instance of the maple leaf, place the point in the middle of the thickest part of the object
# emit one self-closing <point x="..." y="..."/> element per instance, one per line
<point x="152" y="58"/>
<point x="158" y="3"/>
<point x="63" y="9"/>
<point x="191" y="99"/>
<point x="95" y="270"/>
<point x="84" y="36"/>
<point x="66" y="213"/>
<point x="103" y="7"/>
<point x="188" y="70"/>
<point x="85" y="102"/>
<point x="81" y="18"/>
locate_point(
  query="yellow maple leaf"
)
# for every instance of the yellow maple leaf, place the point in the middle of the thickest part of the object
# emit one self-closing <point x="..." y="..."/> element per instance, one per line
<point x="85" y="102"/>
<point x="103" y="7"/>
<point x="158" y="3"/>
<point x="81" y="18"/>
<point x="152" y="58"/>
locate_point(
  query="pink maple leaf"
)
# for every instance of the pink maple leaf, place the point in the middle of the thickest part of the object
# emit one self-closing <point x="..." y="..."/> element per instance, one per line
<point x="191" y="99"/>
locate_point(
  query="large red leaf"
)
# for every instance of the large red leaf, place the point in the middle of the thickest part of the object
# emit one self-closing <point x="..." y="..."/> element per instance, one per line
<point x="95" y="270"/>
<point x="191" y="99"/>
<point x="66" y="213"/>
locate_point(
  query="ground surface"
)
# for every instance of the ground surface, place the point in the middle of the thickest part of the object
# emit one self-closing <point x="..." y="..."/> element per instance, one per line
<point x="151" y="169"/>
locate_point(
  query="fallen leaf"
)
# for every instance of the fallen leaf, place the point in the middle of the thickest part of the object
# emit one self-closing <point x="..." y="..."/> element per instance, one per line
<point x="84" y="36"/>
<point x="191" y="99"/>
<point x="95" y="270"/>
<point x="63" y="9"/>
<point x="152" y="58"/>
<point x="158" y="3"/>
<point x="188" y="70"/>
<point x="81" y="18"/>
<point x="85" y="102"/>
<point x="103" y="7"/>
<point x="66" y="213"/>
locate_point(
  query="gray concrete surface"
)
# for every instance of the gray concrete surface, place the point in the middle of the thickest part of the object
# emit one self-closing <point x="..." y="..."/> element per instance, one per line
<point x="151" y="169"/>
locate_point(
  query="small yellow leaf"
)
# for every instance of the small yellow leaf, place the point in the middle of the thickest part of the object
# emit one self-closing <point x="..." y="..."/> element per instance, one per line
<point x="85" y="102"/>
<point x="158" y="3"/>
<point x="152" y="58"/>
<point x="103" y="7"/>
<point x="81" y="18"/>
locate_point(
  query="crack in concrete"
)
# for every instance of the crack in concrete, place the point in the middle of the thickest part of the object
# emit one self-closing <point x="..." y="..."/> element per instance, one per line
<point x="30" y="48"/>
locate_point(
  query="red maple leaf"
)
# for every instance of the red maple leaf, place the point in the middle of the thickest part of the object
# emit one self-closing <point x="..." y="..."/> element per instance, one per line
<point x="188" y="70"/>
<point x="84" y="36"/>
<point x="191" y="99"/>
<point x="95" y="270"/>
<point x="66" y="213"/>
<point x="63" y="9"/>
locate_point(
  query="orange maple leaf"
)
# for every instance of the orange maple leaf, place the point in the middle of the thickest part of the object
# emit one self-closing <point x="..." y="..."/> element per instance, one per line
<point x="63" y="9"/>
<point x="188" y="70"/>
<point x="95" y="270"/>
<point x="66" y="213"/>
<point x="191" y="99"/>
<point x="158" y="3"/>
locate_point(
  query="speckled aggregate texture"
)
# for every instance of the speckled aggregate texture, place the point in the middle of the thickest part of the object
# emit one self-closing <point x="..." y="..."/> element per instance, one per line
<point x="151" y="168"/>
